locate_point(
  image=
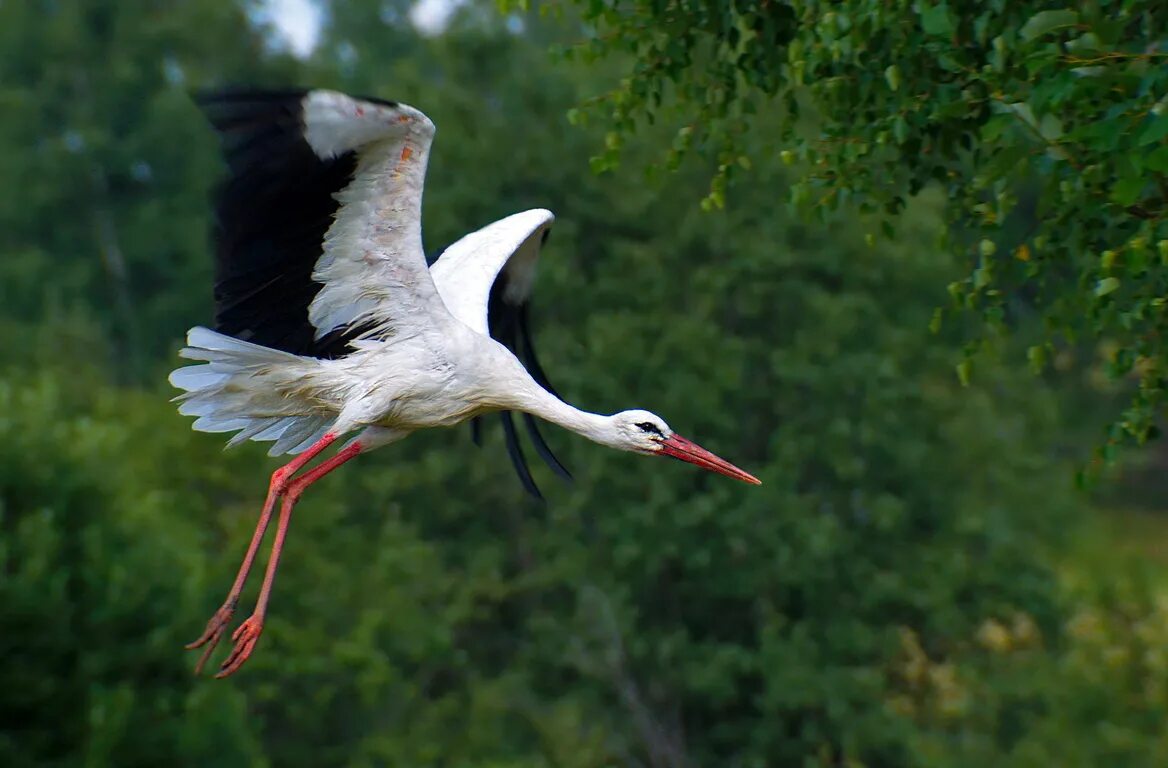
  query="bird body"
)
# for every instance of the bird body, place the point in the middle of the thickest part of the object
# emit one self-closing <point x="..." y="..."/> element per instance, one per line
<point x="402" y="384"/>
<point x="330" y="321"/>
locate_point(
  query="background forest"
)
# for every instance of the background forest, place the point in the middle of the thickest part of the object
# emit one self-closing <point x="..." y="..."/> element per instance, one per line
<point x="917" y="583"/>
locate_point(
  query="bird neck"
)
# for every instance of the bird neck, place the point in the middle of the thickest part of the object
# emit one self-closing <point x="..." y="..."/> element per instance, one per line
<point x="594" y="426"/>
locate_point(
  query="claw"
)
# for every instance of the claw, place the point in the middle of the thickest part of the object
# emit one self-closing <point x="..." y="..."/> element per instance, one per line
<point x="212" y="634"/>
<point x="245" y="637"/>
<point x="215" y="626"/>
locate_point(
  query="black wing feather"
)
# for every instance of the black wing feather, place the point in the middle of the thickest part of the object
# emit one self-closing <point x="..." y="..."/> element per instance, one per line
<point x="544" y="451"/>
<point x="517" y="457"/>
<point x="508" y="324"/>
<point x="502" y="326"/>
<point x="528" y="350"/>
<point x="271" y="215"/>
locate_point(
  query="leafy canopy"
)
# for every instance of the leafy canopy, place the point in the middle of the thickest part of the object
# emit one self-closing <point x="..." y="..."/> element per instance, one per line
<point x="1046" y="128"/>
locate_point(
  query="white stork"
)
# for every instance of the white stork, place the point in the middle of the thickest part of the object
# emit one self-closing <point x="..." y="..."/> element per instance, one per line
<point x="330" y="322"/>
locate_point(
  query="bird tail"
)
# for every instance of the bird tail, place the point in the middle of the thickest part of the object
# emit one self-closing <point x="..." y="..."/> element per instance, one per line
<point x="241" y="388"/>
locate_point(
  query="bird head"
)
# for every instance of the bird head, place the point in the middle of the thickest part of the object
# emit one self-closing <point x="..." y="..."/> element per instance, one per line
<point x="645" y="432"/>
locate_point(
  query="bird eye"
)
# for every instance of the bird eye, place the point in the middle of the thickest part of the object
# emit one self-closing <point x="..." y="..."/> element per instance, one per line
<point x="650" y="427"/>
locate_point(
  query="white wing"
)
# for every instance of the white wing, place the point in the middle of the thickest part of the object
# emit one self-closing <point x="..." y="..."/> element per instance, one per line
<point x="466" y="271"/>
<point x="373" y="267"/>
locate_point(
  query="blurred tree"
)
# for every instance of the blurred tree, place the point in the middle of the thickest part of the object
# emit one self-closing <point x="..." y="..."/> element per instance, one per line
<point x="95" y="565"/>
<point x="427" y="613"/>
<point x="111" y="163"/>
<point x="1046" y="128"/>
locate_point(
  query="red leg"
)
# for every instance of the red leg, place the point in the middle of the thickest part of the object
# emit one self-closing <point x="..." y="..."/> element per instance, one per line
<point x="246" y="635"/>
<point x="279" y="482"/>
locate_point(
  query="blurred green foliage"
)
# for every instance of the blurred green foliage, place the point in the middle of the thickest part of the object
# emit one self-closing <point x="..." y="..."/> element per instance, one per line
<point x="1045" y="126"/>
<point x="894" y="595"/>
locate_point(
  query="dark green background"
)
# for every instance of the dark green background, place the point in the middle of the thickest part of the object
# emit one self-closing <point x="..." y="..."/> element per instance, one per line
<point x="916" y="583"/>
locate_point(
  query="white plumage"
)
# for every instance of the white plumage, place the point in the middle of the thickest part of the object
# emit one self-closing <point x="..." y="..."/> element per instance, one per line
<point x="476" y="260"/>
<point x="332" y="322"/>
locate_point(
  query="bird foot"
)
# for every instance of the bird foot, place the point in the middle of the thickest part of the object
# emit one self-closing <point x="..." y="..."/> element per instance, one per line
<point x="213" y="633"/>
<point x="245" y="637"/>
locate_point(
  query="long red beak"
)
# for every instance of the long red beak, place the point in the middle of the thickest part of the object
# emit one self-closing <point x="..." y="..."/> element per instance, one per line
<point x="687" y="450"/>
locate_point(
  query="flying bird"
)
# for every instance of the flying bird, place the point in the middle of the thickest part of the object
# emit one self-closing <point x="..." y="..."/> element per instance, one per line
<point x="331" y="323"/>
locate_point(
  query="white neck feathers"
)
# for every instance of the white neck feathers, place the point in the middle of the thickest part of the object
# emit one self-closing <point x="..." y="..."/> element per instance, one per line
<point x="594" y="426"/>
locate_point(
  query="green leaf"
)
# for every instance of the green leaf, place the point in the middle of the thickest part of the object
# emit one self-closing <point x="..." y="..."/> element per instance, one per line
<point x="892" y="77"/>
<point x="1047" y="21"/>
<point x="998" y="54"/>
<point x="995" y="127"/>
<point x="1106" y="285"/>
<point x="936" y="21"/>
<point x="1127" y="190"/>
<point x="1154" y="130"/>
<point x="1083" y="44"/>
<point x="900" y="129"/>
<point x="1051" y="128"/>
<point x="1037" y="357"/>
<point x="1157" y="160"/>
<point x="964" y="369"/>
<point x="1023" y="110"/>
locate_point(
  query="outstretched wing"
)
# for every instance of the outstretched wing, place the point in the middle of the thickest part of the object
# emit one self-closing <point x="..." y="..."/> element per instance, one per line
<point x="318" y="224"/>
<point x="485" y="280"/>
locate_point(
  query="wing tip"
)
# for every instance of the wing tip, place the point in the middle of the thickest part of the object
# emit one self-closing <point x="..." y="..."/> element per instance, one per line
<point x="335" y="122"/>
<point x="518" y="460"/>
